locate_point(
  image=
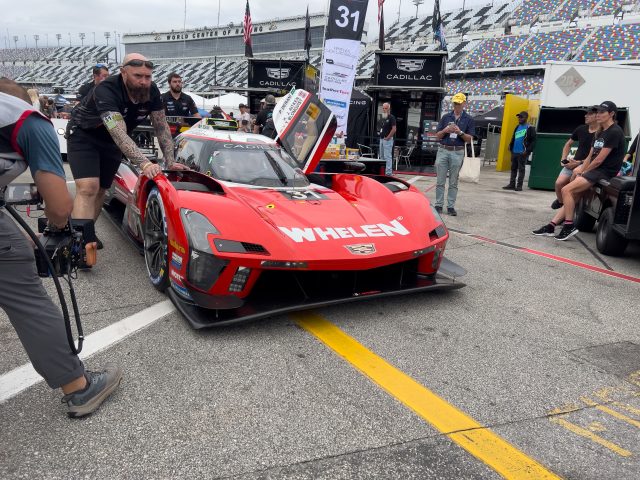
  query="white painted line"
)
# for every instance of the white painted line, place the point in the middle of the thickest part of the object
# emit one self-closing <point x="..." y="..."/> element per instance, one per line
<point x="414" y="179"/>
<point x="21" y="378"/>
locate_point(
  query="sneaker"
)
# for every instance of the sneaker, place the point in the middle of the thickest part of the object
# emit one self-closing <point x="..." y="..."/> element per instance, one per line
<point x="556" y="204"/>
<point x="438" y="209"/>
<point x="567" y="232"/>
<point x="509" y="187"/>
<point x="452" y="211"/>
<point x="518" y="189"/>
<point x="547" y="230"/>
<point x="101" y="385"/>
<point x="99" y="244"/>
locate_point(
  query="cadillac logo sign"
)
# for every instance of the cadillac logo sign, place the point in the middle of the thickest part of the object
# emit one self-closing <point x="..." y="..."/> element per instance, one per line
<point x="361" y="248"/>
<point x="409" y="65"/>
<point x="278" y="73"/>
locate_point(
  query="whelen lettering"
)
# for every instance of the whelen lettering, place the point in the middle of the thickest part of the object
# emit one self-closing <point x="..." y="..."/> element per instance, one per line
<point x="300" y="235"/>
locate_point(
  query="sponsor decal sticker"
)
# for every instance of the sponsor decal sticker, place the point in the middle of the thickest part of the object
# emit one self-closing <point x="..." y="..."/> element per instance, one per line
<point x="176" y="275"/>
<point x="177" y="246"/>
<point x="361" y="248"/>
<point x="300" y="235"/>
<point x="180" y="289"/>
<point x="335" y="103"/>
<point x="176" y="260"/>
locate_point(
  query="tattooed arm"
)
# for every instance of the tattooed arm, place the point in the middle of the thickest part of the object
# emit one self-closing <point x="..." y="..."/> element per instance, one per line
<point x="163" y="134"/>
<point x="118" y="131"/>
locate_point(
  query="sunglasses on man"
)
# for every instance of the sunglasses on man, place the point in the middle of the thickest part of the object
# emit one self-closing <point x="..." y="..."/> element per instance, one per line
<point x="139" y="63"/>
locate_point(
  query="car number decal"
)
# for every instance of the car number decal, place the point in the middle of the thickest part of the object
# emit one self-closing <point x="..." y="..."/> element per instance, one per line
<point x="303" y="195"/>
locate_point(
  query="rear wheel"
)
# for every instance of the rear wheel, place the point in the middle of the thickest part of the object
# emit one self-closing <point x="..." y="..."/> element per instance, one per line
<point x="155" y="241"/>
<point x="608" y="240"/>
<point x="582" y="220"/>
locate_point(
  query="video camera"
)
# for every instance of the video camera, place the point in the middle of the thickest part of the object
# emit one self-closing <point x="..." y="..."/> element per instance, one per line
<point x="66" y="249"/>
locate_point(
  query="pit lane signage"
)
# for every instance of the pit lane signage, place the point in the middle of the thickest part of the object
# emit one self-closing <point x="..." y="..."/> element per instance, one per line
<point x="409" y="70"/>
<point x="345" y="24"/>
<point x="276" y="74"/>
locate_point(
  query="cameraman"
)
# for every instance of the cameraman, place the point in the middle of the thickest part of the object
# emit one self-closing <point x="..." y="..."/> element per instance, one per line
<point x="28" y="139"/>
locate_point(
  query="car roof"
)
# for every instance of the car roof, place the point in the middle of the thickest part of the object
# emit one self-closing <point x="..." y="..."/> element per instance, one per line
<point x="209" y="132"/>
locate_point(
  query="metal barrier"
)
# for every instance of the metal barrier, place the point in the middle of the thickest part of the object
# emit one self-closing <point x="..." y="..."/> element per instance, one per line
<point x="492" y="144"/>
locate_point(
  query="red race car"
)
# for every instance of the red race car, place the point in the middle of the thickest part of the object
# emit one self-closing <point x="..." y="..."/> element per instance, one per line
<point x="250" y="231"/>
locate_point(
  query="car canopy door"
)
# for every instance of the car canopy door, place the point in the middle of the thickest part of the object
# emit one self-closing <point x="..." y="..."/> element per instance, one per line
<point x="305" y="127"/>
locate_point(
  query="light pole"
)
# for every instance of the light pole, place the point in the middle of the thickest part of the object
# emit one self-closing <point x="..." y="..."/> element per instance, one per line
<point x="107" y="35"/>
<point x="58" y="37"/>
<point x="36" y="38"/>
<point x="417" y="3"/>
<point x="94" y="38"/>
<point x="15" y="40"/>
<point x="81" y="35"/>
<point x="69" y="33"/>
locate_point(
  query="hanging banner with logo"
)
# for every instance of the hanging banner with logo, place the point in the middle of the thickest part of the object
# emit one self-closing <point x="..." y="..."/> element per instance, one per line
<point x="340" y="57"/>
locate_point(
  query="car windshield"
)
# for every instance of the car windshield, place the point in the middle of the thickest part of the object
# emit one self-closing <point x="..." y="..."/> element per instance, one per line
<point x="247" y="163"/>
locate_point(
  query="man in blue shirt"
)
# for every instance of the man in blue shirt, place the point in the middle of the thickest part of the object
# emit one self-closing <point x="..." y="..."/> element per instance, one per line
<point x="454" y="130"/>
<point x="521" y="146"/>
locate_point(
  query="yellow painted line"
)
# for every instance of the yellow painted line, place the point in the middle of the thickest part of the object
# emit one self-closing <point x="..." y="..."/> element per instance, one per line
<point x="591" y="436"/>
<point x="613" y="413"/>
<point x="476" y="439"/>
<point x="627" y="407"/>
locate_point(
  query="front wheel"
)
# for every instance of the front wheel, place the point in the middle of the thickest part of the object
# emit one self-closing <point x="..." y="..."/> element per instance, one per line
<point x="155" y="241"/>
<point x="608" y="240"/>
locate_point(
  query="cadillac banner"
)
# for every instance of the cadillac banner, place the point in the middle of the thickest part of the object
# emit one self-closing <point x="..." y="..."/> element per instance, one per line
<point x="340" y="56"/>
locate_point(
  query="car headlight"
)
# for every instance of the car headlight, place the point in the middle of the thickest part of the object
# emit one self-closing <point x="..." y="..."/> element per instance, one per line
<point x="198" y="228"/>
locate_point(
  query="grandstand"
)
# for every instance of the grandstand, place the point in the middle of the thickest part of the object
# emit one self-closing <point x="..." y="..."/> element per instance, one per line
<point x="493" y="48"/>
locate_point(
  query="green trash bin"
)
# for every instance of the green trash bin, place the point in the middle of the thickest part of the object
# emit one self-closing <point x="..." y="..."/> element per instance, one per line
<point x="554" y="128"/>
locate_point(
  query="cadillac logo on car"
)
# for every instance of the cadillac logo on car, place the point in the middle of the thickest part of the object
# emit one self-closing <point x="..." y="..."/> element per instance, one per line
<point x="409" y="65"/>
<point x="361" y="248"/>
<point x="278" y="73"/>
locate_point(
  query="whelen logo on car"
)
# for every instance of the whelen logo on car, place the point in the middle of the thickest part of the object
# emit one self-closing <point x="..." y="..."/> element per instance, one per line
<point x="300" y="235"/>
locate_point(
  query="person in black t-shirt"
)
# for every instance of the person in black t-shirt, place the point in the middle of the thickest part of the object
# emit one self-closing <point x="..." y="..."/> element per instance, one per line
<point x="99" y="129"/>
<point x="602" y="163"/>
<point x="176" y="102"/>
<point x="386" y="132"/>
<point x="584" y="136"/>
<point x="264" y="121"/>
<point x="100" y="73"/>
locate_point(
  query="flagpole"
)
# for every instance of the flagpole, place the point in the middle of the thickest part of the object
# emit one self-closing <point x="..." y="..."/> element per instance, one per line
<point x="324" y="39"/>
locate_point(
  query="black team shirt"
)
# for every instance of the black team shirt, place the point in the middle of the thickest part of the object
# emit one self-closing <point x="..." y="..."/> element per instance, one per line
<point x="613" y="138"/>
<point x="584" y="139"/>
<point x="184" y="106"/>
<point x="111" y="96"/>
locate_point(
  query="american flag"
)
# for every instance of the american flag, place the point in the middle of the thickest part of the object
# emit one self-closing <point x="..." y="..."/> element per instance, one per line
<point x="380" y="3"/>
<point x="248" y="27"/>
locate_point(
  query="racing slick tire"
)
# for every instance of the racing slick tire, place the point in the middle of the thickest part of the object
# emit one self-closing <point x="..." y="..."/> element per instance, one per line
<point x="608" y="240"/>
<point x="155" y="241"/>
<point x="582" y="220"/>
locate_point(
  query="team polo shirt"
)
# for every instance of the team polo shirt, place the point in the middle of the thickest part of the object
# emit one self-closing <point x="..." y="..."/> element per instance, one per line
<point x="184" y="106"/>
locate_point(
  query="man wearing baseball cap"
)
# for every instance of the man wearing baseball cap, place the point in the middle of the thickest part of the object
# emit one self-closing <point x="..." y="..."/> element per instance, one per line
<point x="602" y="163"/>
<point x="455" y="129"/>
<point x="522" y="142"/>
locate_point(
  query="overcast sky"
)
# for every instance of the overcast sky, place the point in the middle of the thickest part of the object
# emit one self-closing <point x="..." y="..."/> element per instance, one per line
<point x="94" y="17"/>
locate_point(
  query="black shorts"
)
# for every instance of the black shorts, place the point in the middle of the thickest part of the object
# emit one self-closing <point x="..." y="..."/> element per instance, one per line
<point x="91" y="155"/>
<point x="594" y="176"/>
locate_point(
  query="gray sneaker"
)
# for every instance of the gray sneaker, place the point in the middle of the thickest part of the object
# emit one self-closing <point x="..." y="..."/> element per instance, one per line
<point x="101" y="385"/>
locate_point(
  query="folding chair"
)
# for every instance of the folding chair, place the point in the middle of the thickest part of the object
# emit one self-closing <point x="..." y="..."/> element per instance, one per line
<point x="405" y="156"/>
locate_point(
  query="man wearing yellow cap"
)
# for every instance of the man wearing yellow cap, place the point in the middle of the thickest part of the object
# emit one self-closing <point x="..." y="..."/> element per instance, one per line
<point x="454" y="130"/>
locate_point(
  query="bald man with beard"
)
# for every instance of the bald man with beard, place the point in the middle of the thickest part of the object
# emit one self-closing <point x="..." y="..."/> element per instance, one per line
<point x="99" y="132"/>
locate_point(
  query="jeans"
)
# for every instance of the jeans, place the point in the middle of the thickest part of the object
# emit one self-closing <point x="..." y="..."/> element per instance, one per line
<point x="448" y="161"/>
<point x="386" y="154"/>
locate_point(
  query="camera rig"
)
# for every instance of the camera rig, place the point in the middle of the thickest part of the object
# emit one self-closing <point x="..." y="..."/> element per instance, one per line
<point x="59" y="253"/>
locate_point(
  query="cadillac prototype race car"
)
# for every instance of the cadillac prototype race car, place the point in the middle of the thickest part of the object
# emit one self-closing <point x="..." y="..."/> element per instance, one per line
<point x="250" y="231"/>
